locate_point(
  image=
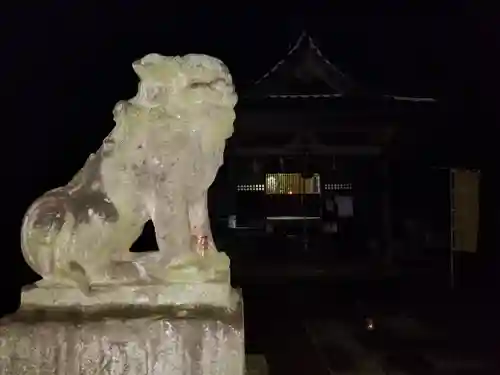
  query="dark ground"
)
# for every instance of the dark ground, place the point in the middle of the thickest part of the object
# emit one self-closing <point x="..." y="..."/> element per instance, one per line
<point x="322" y="329"/>
<point x="311" y="318"/>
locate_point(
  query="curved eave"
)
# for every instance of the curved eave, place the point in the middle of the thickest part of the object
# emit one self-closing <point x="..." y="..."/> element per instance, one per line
<point x="334" y="96"/>
<point x="275" y="67"/>
<point x="335" y="102"/>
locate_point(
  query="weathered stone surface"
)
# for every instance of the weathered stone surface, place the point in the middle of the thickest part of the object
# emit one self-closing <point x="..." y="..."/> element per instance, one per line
<point x="197" y="341"/>
<point x="156" y="164"/>
<point x="220" y="295"/>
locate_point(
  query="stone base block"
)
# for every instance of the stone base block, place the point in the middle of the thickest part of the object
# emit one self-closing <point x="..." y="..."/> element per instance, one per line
<point x="128" y="340"/>
<point x="175" y="294"/>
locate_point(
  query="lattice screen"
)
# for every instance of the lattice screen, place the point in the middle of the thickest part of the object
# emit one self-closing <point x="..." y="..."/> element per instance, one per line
<point x="292" y="183"/>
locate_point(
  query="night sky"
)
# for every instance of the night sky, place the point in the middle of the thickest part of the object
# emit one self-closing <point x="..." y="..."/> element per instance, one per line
<point x="66" y="63"/>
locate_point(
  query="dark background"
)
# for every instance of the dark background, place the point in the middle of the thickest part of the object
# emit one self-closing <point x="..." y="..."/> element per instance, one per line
<point x="65" y="65"/>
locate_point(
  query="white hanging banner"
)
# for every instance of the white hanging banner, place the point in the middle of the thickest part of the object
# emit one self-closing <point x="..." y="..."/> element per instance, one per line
<point x="464" y="210"/>
<point x="345" y="207"/>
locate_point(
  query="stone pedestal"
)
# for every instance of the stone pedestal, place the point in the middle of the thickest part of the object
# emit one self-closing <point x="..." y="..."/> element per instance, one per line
<point x="132" y="339"/>
<point x="215" y="294"/>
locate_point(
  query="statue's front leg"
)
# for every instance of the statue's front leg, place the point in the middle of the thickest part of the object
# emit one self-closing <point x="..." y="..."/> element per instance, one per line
<point x="171" y="222"/>
<point x="199" y="222"/>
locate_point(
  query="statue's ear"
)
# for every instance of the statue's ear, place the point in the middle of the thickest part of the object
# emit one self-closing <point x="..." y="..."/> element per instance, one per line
<point x="147" y="65"/>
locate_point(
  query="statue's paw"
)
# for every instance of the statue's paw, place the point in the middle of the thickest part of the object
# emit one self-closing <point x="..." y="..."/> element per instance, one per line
<point x="124" y="272"/>
<point x="74" y="282"/>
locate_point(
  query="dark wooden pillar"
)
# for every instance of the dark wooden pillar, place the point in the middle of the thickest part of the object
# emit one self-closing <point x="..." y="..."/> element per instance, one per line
<point x="387" y="223"/>
<point x="232" y="183"/>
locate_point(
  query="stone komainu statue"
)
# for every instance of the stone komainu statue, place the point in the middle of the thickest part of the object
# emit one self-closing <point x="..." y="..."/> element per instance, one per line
<point x="156" y="164"/>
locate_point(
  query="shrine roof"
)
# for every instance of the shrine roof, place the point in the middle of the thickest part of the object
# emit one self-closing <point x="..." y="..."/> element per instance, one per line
<point x="306" y="73"/>
<point x="340" y="104"/>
